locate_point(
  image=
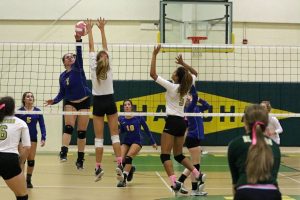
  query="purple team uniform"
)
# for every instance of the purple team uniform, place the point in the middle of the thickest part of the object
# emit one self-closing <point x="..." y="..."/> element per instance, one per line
<point x="73" y="85"/>
<point x="195" y="124"/>
<point x="31" y="121"/>
<point x="132" y="129"/>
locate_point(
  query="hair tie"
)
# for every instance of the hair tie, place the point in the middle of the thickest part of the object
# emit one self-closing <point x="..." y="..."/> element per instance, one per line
<point x="254" y="140"/>
<point x="2" y="106"/>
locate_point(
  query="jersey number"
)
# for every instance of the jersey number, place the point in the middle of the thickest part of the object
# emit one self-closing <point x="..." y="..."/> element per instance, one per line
<point x="130" y="128"/>
<point x="28" y="120"/>
<point x="3" y="133"/>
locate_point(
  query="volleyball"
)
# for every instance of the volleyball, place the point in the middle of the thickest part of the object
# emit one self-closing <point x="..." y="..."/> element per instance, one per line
<point x="80" y="28"/>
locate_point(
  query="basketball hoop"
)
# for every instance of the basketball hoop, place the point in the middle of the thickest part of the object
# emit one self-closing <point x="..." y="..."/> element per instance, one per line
<point x="196" y="39"/>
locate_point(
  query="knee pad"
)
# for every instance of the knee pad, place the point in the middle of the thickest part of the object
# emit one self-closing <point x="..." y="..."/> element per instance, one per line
<point x="98" y="142"/>
<point x="68" y="129"/>
<point x="30" y="163"/>
<point x="197" y="166"/>
<point x="179" y="158"/>
<point x="81" y="135"/>
<point x="115" y="139"/>
<point x="22" y="197"/>
<point x="128" y="160"/>
<point x="164" y="157"/>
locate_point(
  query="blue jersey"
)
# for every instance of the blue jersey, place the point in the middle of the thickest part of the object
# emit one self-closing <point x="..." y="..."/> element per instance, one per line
<point x="73" y="85"/>
<point x="132" y="129"/>
<point x="31" y="121"/>
<point x="195" y="124"/>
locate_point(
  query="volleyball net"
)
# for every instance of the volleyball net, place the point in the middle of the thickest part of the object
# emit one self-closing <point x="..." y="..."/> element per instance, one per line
<point x="230" y="77"/>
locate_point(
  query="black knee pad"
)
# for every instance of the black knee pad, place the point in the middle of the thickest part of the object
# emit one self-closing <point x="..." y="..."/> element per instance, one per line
<point x="68" y="129"/>
<point x="197" y="166"/>
<point x="81" y="134"/>
<point x="164" y="157"/>
<point x="179" y="158"/>
<point x="22" y="197"/>
<point x="30" y="163"/>
<point x="128" y="160"/>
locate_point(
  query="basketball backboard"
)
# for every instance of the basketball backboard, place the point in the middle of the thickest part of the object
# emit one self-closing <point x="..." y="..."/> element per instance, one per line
<point x="182" y="21"/>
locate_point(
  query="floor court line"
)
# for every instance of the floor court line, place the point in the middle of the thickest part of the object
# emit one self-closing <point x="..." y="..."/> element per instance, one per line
<point x="165" y="183"/>
<point x="289" y="177"/>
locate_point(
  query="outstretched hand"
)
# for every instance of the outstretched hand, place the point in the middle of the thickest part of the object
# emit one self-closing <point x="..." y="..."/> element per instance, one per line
<point x="179" y="60"/>
<point x="101" y="22"/>
<point x="49" y="102"/>
<point x="156" y="49"/>
<point x="89" y="25"/>
<point x="77" y="37"/>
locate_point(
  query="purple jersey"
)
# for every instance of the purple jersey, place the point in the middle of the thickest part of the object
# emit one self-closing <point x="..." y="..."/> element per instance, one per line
<point x="132" y="129"/>
<point x="31" y="121"/>
<point x="73" y="85"/>
<point x="195" y="124"/>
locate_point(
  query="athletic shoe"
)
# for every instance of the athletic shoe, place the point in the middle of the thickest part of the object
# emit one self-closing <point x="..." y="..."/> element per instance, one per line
<point x="201" y="179"/>
<point x="204" y="152"/>
<point x="177" y="187"/>
<point x="98" y="174"/>
<point x="121" y="183"/>
<point x="130" y="175"/>
<point x="63" y="156"/>
<point x="183" y="190"/>
<point x="198" y="193"/>
<point x="29" y="184"/>
<point x="79" y="164"/>
<point x="201" y="187"/>
<point x="119" y="171"/>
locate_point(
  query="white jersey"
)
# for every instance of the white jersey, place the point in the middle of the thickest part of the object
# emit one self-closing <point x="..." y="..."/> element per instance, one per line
<point x="174" y="103"/>
<point x="12" y="129"/>
<point x="101" y="87"/>
<point x="274" y="125"/>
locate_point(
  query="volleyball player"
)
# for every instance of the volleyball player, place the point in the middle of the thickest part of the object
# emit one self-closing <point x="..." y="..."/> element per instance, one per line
<point x="172" y="137"/>
<point x="75" y="92"/>
<point x="195" y="134"/>
<point x="31" y="121"/>
<point x="132" y="141"/>
<point x="12" y="130"/>
<point x="274" y="128"/>
<point x="103" y="97"/>
<point x="254" y="159"/>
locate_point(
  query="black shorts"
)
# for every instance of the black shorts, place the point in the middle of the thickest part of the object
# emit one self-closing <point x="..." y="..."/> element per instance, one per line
<point x="257" y="194"/>
<point x="9" y="165"/>
<point x="104" y="105"/>
<point x="191" y="142"/>
<point x="175" y="126"/>
<point x="85" y="104"/>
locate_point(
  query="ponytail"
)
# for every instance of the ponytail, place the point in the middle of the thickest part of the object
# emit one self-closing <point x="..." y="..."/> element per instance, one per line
<point x="185" y="80"/>
<point x="102" y="67"/>
<point x="260" y="159"/>
<point x="7" y="107"/>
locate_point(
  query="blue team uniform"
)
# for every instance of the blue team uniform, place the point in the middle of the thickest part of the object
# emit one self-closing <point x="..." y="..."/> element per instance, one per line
<point x="73" y="85"/>
<point x="31" y="121"/>
<point x="132" y="129"/>
<point x="195" y="124"/>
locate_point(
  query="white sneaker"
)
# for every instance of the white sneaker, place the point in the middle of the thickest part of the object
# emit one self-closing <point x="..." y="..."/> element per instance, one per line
<point x="204" y="152"/>
<point x="198" y="193"/>
<point x="201" y="187"/>
<point x="119" y="172"/>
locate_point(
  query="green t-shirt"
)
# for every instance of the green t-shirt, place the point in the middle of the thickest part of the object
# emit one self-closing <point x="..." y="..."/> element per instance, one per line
<point x="237" y="155"/>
